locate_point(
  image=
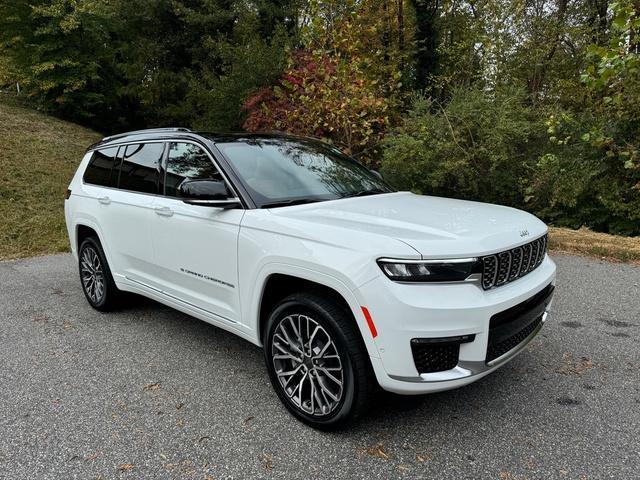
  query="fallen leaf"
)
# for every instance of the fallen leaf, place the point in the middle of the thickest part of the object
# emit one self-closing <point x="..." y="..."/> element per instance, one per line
<point x="267" y="461"/>
<point x="377" y="451"/>
<point x="504" y="475"/>
<point x="247" y="420"/>
<point x="125" y="467"/>
<point x="151" y="386"/>
<point x="575" y="366"/>
<point x="422" y="458"/>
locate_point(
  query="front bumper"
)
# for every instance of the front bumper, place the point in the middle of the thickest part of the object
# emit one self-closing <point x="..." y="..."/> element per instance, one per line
<point x="402" y="312"/>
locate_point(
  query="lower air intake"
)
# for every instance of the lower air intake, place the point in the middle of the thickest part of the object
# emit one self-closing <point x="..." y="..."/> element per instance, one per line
<point x="437" y="354"/>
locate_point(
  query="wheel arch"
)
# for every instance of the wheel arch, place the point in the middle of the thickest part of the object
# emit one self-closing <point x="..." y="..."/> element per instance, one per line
<point x="84" y="228"/>
<point x="276" y="285"/>
<point x="84" y="231"/>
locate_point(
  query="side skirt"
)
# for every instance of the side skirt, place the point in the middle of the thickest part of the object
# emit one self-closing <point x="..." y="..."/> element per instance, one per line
<point x="133" y="286"/>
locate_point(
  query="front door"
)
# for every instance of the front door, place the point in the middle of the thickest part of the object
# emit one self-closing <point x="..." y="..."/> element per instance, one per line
<point x="195" y="247"/>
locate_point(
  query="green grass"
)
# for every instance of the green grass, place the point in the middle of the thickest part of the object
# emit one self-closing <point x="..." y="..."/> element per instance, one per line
<point x="38" y="156"/>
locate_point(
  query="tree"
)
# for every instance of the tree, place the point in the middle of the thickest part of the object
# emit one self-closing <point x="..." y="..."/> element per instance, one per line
<point x="62" y="53"/>
<point x="322" y="96"/>
<point x="346" y="83"/>
<point x="591" y="174"/>
<point x="116" y="64"/>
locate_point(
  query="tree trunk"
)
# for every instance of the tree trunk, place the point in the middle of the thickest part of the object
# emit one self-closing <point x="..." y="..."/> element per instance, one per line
<point x="536" y="80"/>
<point x="426" y="41"/>
<point x="401" y="25"/>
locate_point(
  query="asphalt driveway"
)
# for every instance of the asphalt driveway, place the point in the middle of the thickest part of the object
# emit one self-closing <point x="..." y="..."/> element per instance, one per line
<point x="151" y="393"/>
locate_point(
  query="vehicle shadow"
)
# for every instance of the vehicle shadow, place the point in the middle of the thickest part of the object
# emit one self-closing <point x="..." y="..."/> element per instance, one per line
<point x="436" y="410"/>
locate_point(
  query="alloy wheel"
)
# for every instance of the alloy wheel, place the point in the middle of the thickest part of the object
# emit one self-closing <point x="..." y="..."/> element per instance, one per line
<point x="92" y="275"/>
<point x="307" y="365"/>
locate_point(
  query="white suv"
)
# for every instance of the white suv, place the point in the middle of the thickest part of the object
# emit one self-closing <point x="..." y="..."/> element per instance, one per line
<point x="290" y="244"/>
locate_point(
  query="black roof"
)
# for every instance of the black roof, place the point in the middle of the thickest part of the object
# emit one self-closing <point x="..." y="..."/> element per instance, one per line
<point x="180" y="132"/>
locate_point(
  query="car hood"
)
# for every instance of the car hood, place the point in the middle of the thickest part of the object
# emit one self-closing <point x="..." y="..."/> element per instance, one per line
<point x="434" y="227"/>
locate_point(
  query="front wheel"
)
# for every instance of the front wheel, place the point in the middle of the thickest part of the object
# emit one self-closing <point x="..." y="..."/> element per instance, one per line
<point x="317" y="361"/>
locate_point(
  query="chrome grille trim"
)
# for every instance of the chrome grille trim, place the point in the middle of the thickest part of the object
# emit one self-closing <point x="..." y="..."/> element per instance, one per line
<point x="504" y="267"/>
<point x="489" y="271"/>
<point x="526" y="258"/>
<point x="516" y="263"/>
<point x="534" y="257"/>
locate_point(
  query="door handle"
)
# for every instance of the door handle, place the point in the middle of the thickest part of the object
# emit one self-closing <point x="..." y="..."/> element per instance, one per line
<point x="164" y="211"/>
<point x="104" y="200"/>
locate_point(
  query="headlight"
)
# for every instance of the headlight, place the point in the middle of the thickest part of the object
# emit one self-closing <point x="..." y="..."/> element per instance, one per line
<point x="454" y="270"/>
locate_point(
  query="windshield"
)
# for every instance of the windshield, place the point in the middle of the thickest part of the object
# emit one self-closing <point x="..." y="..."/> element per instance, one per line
<point x="284" y="171"/>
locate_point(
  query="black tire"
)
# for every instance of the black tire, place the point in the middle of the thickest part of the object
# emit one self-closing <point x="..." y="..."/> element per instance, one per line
<point x="110" y="296"/>
<point x="337" y="326"/>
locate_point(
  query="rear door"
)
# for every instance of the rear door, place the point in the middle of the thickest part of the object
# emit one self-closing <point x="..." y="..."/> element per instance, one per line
<point x="127" y="211"/>
<point x="100" y="172"/>
<point x="196" y="246"/>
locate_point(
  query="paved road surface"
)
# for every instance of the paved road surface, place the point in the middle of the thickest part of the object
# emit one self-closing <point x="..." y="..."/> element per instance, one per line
<point x="151" y="393"/>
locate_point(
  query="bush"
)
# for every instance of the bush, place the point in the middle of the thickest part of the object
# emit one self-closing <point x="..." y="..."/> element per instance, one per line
<point x="591" y="173"/>
<point x="323" y="96"/>
<point x="584" y="179"/>
<point x="477" y="146"/>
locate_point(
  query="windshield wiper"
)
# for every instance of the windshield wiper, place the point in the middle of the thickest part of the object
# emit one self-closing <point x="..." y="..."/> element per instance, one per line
<point x="292" y="201"/>
<point x="364" y="193"/>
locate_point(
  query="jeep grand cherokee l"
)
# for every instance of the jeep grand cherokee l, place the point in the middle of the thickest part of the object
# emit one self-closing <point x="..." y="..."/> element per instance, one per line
<point x="292" y="245"/>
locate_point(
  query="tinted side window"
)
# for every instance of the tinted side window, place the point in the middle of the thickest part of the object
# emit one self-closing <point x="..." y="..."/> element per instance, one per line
<point x="140" y="167"/>
<point x="100" y="170"/>
<point x="187" y="161"/>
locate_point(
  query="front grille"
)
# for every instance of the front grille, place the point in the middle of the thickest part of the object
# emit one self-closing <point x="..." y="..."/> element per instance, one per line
<point x="435" y="358"/>
<point x="504" y="267"/>
<point x="499" y="349"/>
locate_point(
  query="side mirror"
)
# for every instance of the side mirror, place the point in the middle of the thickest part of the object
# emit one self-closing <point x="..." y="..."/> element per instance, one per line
<point x="377" y="174"/>
<point x="207" y="193"/>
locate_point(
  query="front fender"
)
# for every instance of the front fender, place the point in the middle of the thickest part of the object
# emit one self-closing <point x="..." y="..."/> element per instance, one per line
<point x="252" y="316"/>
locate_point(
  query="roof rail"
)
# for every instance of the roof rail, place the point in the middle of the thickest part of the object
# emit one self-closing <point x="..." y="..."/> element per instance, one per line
<point x="148" y="130"/>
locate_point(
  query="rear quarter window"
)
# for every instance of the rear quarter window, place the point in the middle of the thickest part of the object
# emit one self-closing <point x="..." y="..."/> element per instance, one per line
<point x="100" y="170"/>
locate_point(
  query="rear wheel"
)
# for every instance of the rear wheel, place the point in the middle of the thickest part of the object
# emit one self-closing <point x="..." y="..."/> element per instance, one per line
<point x="95" y="276"/>
<point x="317" y="361"/>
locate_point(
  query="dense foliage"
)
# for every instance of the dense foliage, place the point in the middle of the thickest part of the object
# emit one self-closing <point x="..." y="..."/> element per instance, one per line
<point x="116" y="64"/>
<point x="590" y="174"/>
<point x="531" y="103"/>
<point x="471" y="147"/>
<point x="347" y="82"/>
